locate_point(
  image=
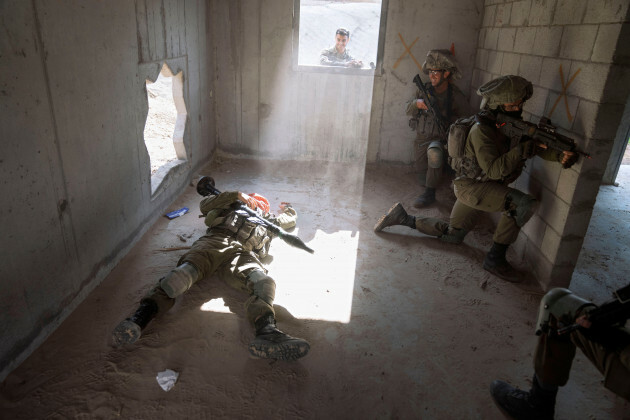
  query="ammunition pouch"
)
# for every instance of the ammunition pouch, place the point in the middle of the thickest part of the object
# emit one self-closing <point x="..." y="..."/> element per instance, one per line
<point x="467" y="167"/>
<point x="246" y="229"/>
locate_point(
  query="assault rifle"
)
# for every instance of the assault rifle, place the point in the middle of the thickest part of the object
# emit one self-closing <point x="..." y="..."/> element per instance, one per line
<point x="432" y="108"/>
<point x="205" y="187"/>
<point x="518" y="130"/>
<point x="613" y="312"/>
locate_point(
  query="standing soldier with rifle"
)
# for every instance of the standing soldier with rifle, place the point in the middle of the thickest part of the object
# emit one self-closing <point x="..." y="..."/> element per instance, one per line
<point x="436" y="105"/>
<point x="566" y="322"/>
<point x="486" y="161"/>
<point x="240" y="230"/>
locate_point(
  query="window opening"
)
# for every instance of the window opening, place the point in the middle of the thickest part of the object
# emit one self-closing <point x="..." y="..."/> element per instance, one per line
<point x="318" y="22"/>
<point x="164" y="128"/>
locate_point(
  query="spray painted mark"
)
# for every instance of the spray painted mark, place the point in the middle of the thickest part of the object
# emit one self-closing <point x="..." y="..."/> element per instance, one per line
<point x="563" y="94"/>
<point x="407" y="51"/>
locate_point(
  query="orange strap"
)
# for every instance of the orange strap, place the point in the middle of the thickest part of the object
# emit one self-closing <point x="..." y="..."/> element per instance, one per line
<point x="261" y="202"/>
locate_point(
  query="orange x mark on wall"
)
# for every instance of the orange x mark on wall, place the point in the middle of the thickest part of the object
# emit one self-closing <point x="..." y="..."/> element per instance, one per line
<point x="563" y="94"/>
<point x="407" y="51"/>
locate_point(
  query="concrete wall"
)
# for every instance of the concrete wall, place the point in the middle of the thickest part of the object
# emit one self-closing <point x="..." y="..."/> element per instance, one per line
<point x="270" y="108"/>
<point x="435" y="24"/>
<point x="76" y="175"/>
<point x="576" y="55"/>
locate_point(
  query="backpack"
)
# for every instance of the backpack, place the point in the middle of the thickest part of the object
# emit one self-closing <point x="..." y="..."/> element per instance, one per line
<point x="457" y="135"/>
<point x="464" y="166"/>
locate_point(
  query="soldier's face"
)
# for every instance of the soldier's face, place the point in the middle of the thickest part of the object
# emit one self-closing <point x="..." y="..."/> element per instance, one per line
<point x="341" y="42"/>
<point x="438" y="77"/>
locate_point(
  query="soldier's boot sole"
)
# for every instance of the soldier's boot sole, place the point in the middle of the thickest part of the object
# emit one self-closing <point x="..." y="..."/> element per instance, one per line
<point x="394" y="216"/>
<point x="272" y="346"/>
<point x="127" y="332"/>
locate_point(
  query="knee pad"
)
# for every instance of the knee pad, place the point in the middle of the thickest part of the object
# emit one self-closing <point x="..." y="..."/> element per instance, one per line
<point x="435" y="154"/>
<point x="520" y="206"/>
<point x="179" y="279"/>
<point x="562" y="304"/>
<point x="262" y="286"/>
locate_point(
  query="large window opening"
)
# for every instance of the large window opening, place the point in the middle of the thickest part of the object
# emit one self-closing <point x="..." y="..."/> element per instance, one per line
<point x="164" y="128"/>
<point x="317" y="24"/>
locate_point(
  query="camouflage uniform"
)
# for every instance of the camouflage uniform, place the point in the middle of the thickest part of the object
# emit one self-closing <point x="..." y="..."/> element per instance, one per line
<point x="554" y="357"/>
<point x="331" y="57"/>
<point x="607" y="347"/>
<point x="451" y="104"/>
<point x="232" y="252"/>
<point x="233" y="246"/>
<point x="483" y="187"/>
<point x="489" y="164"/>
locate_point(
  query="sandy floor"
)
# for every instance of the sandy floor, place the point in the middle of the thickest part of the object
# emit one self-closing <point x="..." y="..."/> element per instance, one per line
<point x="399" y="324"/>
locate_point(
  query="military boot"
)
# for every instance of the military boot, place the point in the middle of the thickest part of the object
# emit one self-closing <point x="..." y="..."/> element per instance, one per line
<point x="395" y="216"/>
<point x="538" y="403"/>
<point x="496" y="264"/>
<point x="271" y="343"/>
<point x="427" y="198"/>
<point x="129" y="330"/>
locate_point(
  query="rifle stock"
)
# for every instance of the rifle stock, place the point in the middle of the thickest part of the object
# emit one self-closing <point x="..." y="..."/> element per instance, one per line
<point x="205" y="187"/>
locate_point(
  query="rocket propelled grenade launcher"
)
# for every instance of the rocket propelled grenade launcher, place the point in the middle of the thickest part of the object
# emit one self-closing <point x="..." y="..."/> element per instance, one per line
<point x="205" y="187"/>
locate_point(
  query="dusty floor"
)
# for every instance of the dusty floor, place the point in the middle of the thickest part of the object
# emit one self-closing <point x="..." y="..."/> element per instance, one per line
<point x="398" y="323"/>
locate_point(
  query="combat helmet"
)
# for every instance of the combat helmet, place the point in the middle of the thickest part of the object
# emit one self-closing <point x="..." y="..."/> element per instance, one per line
<point x="504" y="90"/>
<point x="442" y="60"/>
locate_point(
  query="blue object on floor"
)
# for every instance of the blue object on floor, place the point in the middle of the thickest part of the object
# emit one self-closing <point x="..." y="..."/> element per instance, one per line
<point x="177" y="213"/>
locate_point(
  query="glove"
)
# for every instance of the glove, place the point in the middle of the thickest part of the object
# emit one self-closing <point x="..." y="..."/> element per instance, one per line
<point x="570" y="160"/>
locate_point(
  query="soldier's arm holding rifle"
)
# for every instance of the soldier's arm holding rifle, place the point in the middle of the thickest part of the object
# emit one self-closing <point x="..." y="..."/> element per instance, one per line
<point x="543" y="136"/>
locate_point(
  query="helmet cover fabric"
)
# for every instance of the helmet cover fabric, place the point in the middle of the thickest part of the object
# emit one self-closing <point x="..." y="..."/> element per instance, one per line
<point x="505" y="90"/>
<point x="441" y="60"/>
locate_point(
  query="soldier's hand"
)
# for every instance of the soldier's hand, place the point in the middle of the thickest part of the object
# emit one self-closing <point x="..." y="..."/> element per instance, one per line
<point x="568" y="159"/>
<point x="420" y="104"/>
<point x="249" y="201"/>
<point x="583" y="321"/>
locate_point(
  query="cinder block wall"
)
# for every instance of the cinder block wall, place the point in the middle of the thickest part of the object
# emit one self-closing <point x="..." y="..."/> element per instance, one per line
<point x="575" y="54"/>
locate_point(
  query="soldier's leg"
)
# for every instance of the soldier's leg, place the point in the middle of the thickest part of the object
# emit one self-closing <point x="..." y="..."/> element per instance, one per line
<point x="463" y="219"/>
<point x="398" y="216"/>
<point x="516" y="208"/>
<point x="420" y="159"/>
<point x="552" y="361"/>
<point x="427" y="175"/>
<point x="203" y="259"/>
<point x="206" y="253"/>
<point x="155" y="303"/>
<point x="248" y="273"/>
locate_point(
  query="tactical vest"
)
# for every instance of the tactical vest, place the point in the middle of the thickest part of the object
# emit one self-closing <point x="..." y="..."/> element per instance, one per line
<point x="248" y="230"/>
